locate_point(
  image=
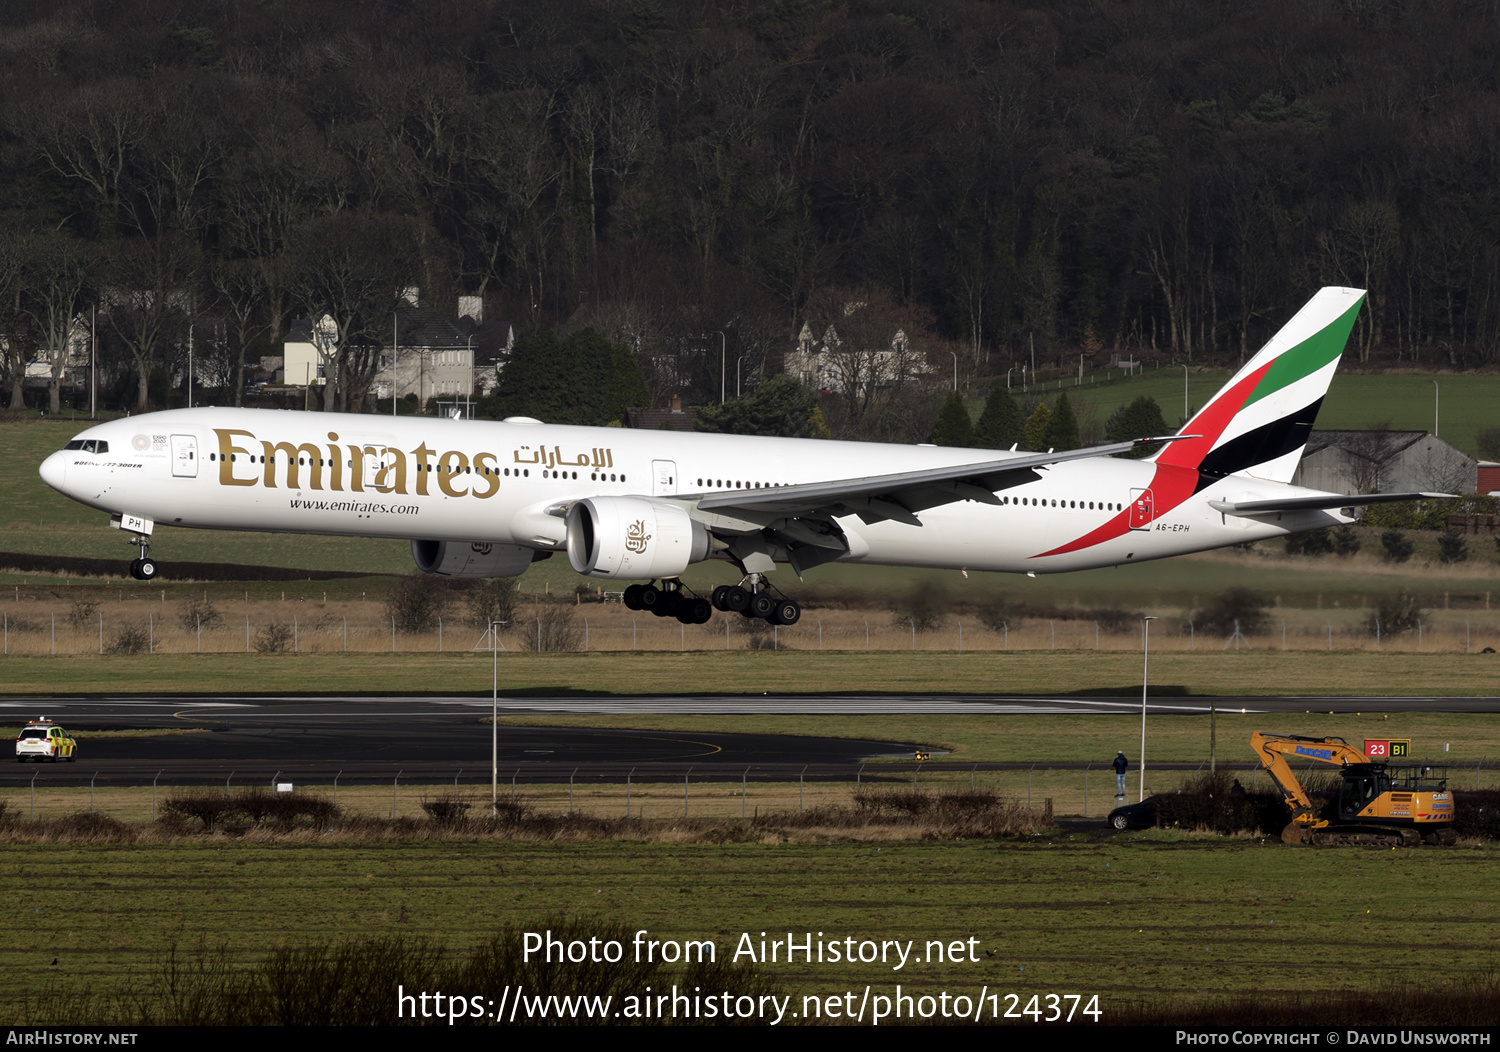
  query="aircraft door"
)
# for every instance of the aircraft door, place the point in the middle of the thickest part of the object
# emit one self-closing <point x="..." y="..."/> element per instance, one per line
<point x="374" y="463"/>
<point x="1142" y="510"/>
<point x="185" y="456"/>
<point x="663" y="478"/>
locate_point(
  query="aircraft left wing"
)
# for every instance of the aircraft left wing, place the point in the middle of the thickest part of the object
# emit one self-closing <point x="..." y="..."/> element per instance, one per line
<point x="1317" y="502"/>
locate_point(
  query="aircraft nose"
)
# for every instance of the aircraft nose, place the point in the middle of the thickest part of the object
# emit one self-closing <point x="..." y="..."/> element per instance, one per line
<point x="54" y="471"/>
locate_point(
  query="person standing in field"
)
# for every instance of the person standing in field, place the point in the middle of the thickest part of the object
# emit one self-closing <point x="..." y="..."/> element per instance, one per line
<point x="1121" y="765"/>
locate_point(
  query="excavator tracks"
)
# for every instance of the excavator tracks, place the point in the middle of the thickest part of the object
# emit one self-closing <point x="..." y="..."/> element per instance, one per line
<point x="1365" y="836"/>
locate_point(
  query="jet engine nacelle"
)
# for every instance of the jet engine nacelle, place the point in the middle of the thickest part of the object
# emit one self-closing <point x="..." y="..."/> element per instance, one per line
<point x="477" y="559"/>
<point x="633" y="537"/>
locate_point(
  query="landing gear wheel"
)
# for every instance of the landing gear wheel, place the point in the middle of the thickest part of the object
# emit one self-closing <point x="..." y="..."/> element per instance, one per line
<point x="787" y="612"/>
<point x="633" y="597"/>
<point x="717" y="597"/>
<point x="145" y="569"/>
<point x="649" y="597"/>
<point x="695" y="612"/>
<point x="736" y="599"/>
<point x="762" y="605"/>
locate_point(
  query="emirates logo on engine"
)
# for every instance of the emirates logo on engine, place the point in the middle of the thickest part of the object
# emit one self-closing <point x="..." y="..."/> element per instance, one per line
<point x="636" y="536"/>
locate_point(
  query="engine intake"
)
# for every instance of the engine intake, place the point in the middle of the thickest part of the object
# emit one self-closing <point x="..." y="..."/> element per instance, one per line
<point x="476" y="559"/>
<point x="632" y="537"/>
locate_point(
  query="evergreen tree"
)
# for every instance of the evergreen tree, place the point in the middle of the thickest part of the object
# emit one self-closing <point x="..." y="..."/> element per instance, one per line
<point x="1001" y="424"/>
<point x="526" y="380"/>
<point x="1037" y="426"/>
<point x="1062" y="432"/>
<point x="628" y="385"/>
<point x="581" y="380"/>
<point x="954" y="428"/>
<point x="1139" y="419"/>
<point x="780" y="407"/>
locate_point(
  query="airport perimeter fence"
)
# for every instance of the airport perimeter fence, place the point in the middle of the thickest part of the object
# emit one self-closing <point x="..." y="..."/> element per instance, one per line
<point x="649" y="790"/>
<point x="558" y="629"/>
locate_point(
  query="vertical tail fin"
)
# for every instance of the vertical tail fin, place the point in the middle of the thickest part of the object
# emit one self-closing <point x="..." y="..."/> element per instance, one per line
<point x="1259" y="422"/>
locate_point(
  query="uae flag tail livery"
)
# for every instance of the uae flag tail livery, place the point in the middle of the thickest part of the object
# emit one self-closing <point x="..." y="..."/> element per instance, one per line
<point x="1259" y="423"/>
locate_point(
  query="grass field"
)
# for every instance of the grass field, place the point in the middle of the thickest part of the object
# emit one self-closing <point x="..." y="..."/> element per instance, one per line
<point x="1159" y="917"/>
<point x="1257" y="672"/>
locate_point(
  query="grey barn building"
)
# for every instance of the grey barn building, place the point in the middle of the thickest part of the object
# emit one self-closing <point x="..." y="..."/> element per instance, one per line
<point x="1384" y="461"/>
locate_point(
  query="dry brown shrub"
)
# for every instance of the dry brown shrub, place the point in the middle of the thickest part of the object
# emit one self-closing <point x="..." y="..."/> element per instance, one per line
<point x="88" y="827"/>
<point x="208" y="806"/>
<point x="448" y="808"/>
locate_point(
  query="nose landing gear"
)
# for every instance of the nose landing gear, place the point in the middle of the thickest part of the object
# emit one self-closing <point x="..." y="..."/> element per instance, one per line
<point x="144" y="568"/>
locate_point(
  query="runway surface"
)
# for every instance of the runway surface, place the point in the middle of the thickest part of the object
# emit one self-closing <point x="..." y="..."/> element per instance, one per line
<point x="371" y="737"/>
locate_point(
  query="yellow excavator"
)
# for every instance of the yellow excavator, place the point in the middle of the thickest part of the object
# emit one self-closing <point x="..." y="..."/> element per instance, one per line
<point x="1379" y="803"/>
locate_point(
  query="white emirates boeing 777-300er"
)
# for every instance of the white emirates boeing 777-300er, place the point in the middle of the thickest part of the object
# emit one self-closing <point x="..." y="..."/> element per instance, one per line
<point x="485" y="499"/>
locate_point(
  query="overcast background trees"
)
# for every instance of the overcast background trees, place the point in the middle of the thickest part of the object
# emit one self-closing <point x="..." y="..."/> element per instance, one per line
<point x="992" y="178"/>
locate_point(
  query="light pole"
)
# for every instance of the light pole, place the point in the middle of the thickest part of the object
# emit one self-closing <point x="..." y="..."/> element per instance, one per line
<point x="495" y="717"/>
<point x="1184" y="393"/>
<point x="395" y="342"/>
<point x="1007" y="376"/>
<point x="1435" y="390"/>
<point x="955" y="369"/>
<point x="737" y="363"/>
<point x="1145" y="669"/>
<point x="723" y="364"/>
<point x="470" y="366"/>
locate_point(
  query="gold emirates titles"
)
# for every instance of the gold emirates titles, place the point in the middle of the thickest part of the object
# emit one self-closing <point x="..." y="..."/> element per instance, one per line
<point x="390" y="470"/>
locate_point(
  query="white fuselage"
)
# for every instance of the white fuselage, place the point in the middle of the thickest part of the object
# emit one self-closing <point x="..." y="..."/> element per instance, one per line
<point x="503" y="483"/>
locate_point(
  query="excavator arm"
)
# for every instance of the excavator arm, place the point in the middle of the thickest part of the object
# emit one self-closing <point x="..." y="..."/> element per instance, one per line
<point x="1273" y="750"/>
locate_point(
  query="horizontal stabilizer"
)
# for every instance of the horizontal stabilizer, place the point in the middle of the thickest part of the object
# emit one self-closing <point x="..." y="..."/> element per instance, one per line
<point x="1318" y="501"/>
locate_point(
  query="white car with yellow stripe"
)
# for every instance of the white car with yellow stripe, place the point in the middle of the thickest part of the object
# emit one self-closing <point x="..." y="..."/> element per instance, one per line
<point x="42" y="739"/>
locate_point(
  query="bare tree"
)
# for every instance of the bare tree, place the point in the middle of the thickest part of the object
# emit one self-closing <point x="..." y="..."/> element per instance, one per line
<point x="90" y="138"/>
<point x="149" y="298"/>
<point x="355" y="269"/>
<point x="244" y="295"/>
<point x="57" y="268"/>
<point x="14" y="330"/>
<point x="870" y="345"/>
<point x="514" y="168"/>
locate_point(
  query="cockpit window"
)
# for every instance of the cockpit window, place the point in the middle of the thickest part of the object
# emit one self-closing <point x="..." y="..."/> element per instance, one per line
<point x="92" y="445"/>
<point x="77" y="443"/>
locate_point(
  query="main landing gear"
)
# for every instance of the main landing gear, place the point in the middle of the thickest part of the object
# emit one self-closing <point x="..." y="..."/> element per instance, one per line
<point x="756" y="601"/>
<point x="750" y="598"/>
<point x="669" y="599"/>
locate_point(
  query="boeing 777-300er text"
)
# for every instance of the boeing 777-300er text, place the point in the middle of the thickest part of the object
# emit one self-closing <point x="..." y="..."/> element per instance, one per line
<point x="486" y="499"/>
